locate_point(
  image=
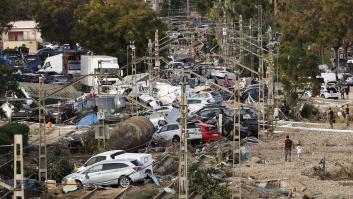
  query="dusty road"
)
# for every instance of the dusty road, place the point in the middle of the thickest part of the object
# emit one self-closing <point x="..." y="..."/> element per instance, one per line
<point x="335" y="146"/>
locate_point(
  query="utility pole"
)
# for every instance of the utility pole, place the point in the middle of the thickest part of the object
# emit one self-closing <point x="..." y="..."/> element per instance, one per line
<point x="270" y="100"/>
<point x="133" y="70"/>
<point x="241" y="55"/>
<point x="251" y="55"/>
<point x="42" y="163"/>
<point x="261" y="113"/>
<point x="101" y="112"/>
<point x="18" y="192"/>
<point x="183" y="153"/>
<point x="236" y="132"/>
<point x="151" y="75"/>
<point x="157" y="62"/>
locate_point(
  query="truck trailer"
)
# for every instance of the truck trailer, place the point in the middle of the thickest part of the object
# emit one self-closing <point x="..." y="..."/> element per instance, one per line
<point x="94" y="64"/>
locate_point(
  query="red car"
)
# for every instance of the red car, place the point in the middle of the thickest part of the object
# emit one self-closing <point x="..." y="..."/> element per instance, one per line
<point x="209" y="132"/>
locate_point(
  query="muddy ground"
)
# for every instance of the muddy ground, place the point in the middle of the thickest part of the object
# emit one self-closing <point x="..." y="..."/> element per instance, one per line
<point x="335" y="147"/>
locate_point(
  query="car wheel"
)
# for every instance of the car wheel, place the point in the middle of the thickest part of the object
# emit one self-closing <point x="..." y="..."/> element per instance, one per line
<point x="322" y="96"/>
<point x="176" y="139"/>
<point x="79" y="184"/>
<point x="148" y="172"/>
<point x="124" y="181"/>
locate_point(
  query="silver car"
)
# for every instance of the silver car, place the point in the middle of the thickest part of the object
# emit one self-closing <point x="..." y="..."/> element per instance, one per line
<point x="109" y="172"/>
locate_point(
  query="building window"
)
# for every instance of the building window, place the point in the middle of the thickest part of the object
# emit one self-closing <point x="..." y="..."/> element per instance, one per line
<point x="16" y="36"/>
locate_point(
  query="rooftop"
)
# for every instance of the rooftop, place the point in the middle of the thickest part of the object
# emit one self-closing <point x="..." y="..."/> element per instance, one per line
<point x="23" y="24"/>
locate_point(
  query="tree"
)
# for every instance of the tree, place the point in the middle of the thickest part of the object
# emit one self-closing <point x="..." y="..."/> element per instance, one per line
<point x="57" y="18"/>
<point x="298" y="68"/>
<point x="108" y="27"/>
<point x="8" y="130"/>
<point x="204" y="6"/>
<point x="7" y="82"/>
<point x="326" y="23"/>
<point x="6" y="9"/>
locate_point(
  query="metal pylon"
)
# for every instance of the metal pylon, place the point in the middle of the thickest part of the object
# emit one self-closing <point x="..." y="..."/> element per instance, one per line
<point x="183" y="157"/>
<point x="236" y="134"/>
<point x="18" y="191"/>
<point x="42" y="163"/>
<point x="157" y="62"/>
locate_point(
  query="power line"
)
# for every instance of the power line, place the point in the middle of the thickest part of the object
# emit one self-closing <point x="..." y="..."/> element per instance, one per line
<point x="6" y="163"/>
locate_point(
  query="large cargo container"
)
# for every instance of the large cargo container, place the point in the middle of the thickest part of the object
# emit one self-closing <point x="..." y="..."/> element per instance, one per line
<point x="105" y="64"/>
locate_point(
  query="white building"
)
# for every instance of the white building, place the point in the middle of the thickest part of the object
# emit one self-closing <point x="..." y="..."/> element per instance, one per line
<point x="22" y="33"/>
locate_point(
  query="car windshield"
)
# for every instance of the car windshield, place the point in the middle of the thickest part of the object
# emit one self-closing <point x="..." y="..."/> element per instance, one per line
<point x="215" y="94"/>
<point x="194" y="101"/>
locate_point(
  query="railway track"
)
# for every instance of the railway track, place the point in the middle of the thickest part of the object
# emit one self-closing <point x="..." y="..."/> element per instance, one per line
<point x="112" y="193"/>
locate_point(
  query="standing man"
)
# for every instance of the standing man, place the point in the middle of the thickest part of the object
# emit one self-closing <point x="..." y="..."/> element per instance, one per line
<point x="288" y="145"/>
<point x="347" y="116"/>
<point x="331" y="117"/>
<point x="347" y="89"/>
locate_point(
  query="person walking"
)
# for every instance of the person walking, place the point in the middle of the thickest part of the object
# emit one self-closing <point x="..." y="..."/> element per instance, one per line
<point x="331" y="117"/>
<point x="299" y="151"/>
<point x="288" y="145"/>
<point x="347" y="115"/>
<point x="347" y="89"/>
<point x="342" y="89"/>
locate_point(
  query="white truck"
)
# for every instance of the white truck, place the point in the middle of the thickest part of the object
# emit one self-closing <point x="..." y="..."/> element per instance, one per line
<point x="67" y="63"/>
<point x="105" y="64"/>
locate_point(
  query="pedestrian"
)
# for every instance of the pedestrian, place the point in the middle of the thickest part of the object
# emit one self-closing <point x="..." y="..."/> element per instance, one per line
<point x="342" y="91"/>
<point x="226" y="81"/>
<point x="299" y="151"/>
<point x="331" y="117"/>
<point x="347" y="89"/>
<point x="347" y="115"/>
<point x="288" y="145"/>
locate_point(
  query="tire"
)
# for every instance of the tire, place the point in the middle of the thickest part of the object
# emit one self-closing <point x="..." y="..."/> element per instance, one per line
<point x="79" y="183"/>
<point x="322" y="96"/>
<point x="176" y="139"/>
<point x="124" y="181"/>
<point x="148" y="172"/>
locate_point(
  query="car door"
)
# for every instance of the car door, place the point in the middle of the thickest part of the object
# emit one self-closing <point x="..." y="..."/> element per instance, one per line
<point x="92" y="175"/>
<point x="194" y="131"/>
<point x="111" y="172"/>
<point x="173" y="129"/>
<point x="160" y="134"/>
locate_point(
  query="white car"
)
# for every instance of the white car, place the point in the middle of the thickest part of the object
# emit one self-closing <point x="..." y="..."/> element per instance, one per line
<point x="108" y="155"/>
<point x="108" y="172"/>
<point x="144" y="158"/>
<point x="211" y="97"/>
<point x="195" y="104"/>
<point x="221" y="72"/>
<point x="171" y="132"/>
<point x="156" y="118"/>
<point x="329" y="91"/>
<point x="175" y="65"/>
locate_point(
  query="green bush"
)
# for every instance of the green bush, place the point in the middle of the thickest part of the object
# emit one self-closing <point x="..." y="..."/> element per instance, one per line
<point x="8" y="131"/>
<point x="58" y="168"/>
<point x="309" y="112"/>
<point x="203" y="184"/>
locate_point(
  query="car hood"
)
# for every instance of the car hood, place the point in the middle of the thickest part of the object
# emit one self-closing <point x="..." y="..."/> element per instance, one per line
<point x="72" y="176"/>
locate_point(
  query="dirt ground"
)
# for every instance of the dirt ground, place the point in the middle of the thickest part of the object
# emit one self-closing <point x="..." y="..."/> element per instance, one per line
<point x="335" y="147"/>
